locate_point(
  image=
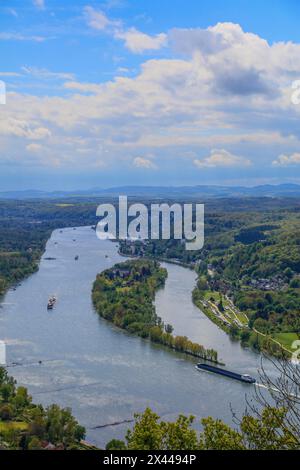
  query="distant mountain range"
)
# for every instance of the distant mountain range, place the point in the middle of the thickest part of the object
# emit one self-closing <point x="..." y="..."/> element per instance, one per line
<point x="173" y="192"/>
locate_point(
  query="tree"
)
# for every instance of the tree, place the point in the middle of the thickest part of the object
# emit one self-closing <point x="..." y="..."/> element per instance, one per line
<point x="22" y="399"/>
<point x="217" y="435"/>
<point x="245" y="336"/>
<point x="178" y="435"/>
<point x="34" y="444"/>
<point x="234" y="331"/>
<point x="116" y="444"/>
<point x="147" y="432"/>
<point x="150" y="433"/>
<point x="62" y="427"/>
<point x="6" y="412"/>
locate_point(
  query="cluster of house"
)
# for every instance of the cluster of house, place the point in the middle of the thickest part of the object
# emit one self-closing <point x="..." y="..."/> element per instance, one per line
<point x="275" y="283"/>
<point x="132" y="248"/>
<point x="118" y="274"/>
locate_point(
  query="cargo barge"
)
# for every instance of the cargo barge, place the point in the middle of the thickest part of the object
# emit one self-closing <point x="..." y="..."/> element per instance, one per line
<point x="226" y="373"/>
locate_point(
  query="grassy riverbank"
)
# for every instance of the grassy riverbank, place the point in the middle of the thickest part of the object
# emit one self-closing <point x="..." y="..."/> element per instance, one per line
<point x="124" y="295"/>
<point x="221" y="310"/>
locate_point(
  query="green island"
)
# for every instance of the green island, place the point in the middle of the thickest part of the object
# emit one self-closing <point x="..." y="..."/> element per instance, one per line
<point x="124" y="295"/>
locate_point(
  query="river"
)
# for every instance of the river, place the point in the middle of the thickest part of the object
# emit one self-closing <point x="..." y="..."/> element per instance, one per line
<point x="102" y="373"/>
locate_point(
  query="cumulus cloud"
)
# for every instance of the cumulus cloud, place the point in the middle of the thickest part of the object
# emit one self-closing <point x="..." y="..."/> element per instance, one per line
<point x="287" y="160"/>
<point x="21" y="128"/>
<point x="218" y="95"/>
<point x="97" y="19"/>
<point x="139" y="42"/>
<point x="145" y="163"/>
<point x="134" y="40"/>
<point x="237" y="62"/>
<point x="221" y="158"/>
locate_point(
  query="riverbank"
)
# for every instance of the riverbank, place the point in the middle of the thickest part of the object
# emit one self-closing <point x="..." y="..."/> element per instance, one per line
<point x="221" y="310"/>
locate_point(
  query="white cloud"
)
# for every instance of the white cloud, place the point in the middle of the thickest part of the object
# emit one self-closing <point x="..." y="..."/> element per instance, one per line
<point x="21" y="128"/>
<point x="236" y="62"/>
<point x="135" y="41"/>
<point x="46" y="74"/>
<point x="33" y="148"/>
<point x="145" y="163"/>
<point x="83" y="87"/>
<point x="287" y="160"/>
<point x="39" y="4"/>
<point x="98" y="20"/>
<point x="221" y="158"/>
<point x="138" y="42"/>
<point x="8" y="36"/>
<point x="10" y="74"/>
<point x="218" y="95"/>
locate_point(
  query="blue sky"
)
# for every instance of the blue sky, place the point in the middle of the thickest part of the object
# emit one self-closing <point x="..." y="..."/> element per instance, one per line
<point x="115" y="92"/>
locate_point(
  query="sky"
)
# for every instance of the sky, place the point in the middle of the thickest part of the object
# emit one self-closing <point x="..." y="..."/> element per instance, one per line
<point x="148" y="92"/>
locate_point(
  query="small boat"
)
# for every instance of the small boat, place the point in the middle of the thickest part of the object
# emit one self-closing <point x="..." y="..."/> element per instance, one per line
<point x="226" y="373"/>
<point x="76" y="258"/>
<point x="51" y="303"/>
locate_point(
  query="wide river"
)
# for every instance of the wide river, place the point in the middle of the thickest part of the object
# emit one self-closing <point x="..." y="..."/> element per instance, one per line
<point x="102" y="373"/>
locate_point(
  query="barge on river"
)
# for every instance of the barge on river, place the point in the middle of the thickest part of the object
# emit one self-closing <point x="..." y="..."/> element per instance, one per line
<point x="51" y="303"/>
<point x="226" y="373"/>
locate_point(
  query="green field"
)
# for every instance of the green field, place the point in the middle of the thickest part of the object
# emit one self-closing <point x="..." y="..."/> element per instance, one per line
<point x="287" y="339"/>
